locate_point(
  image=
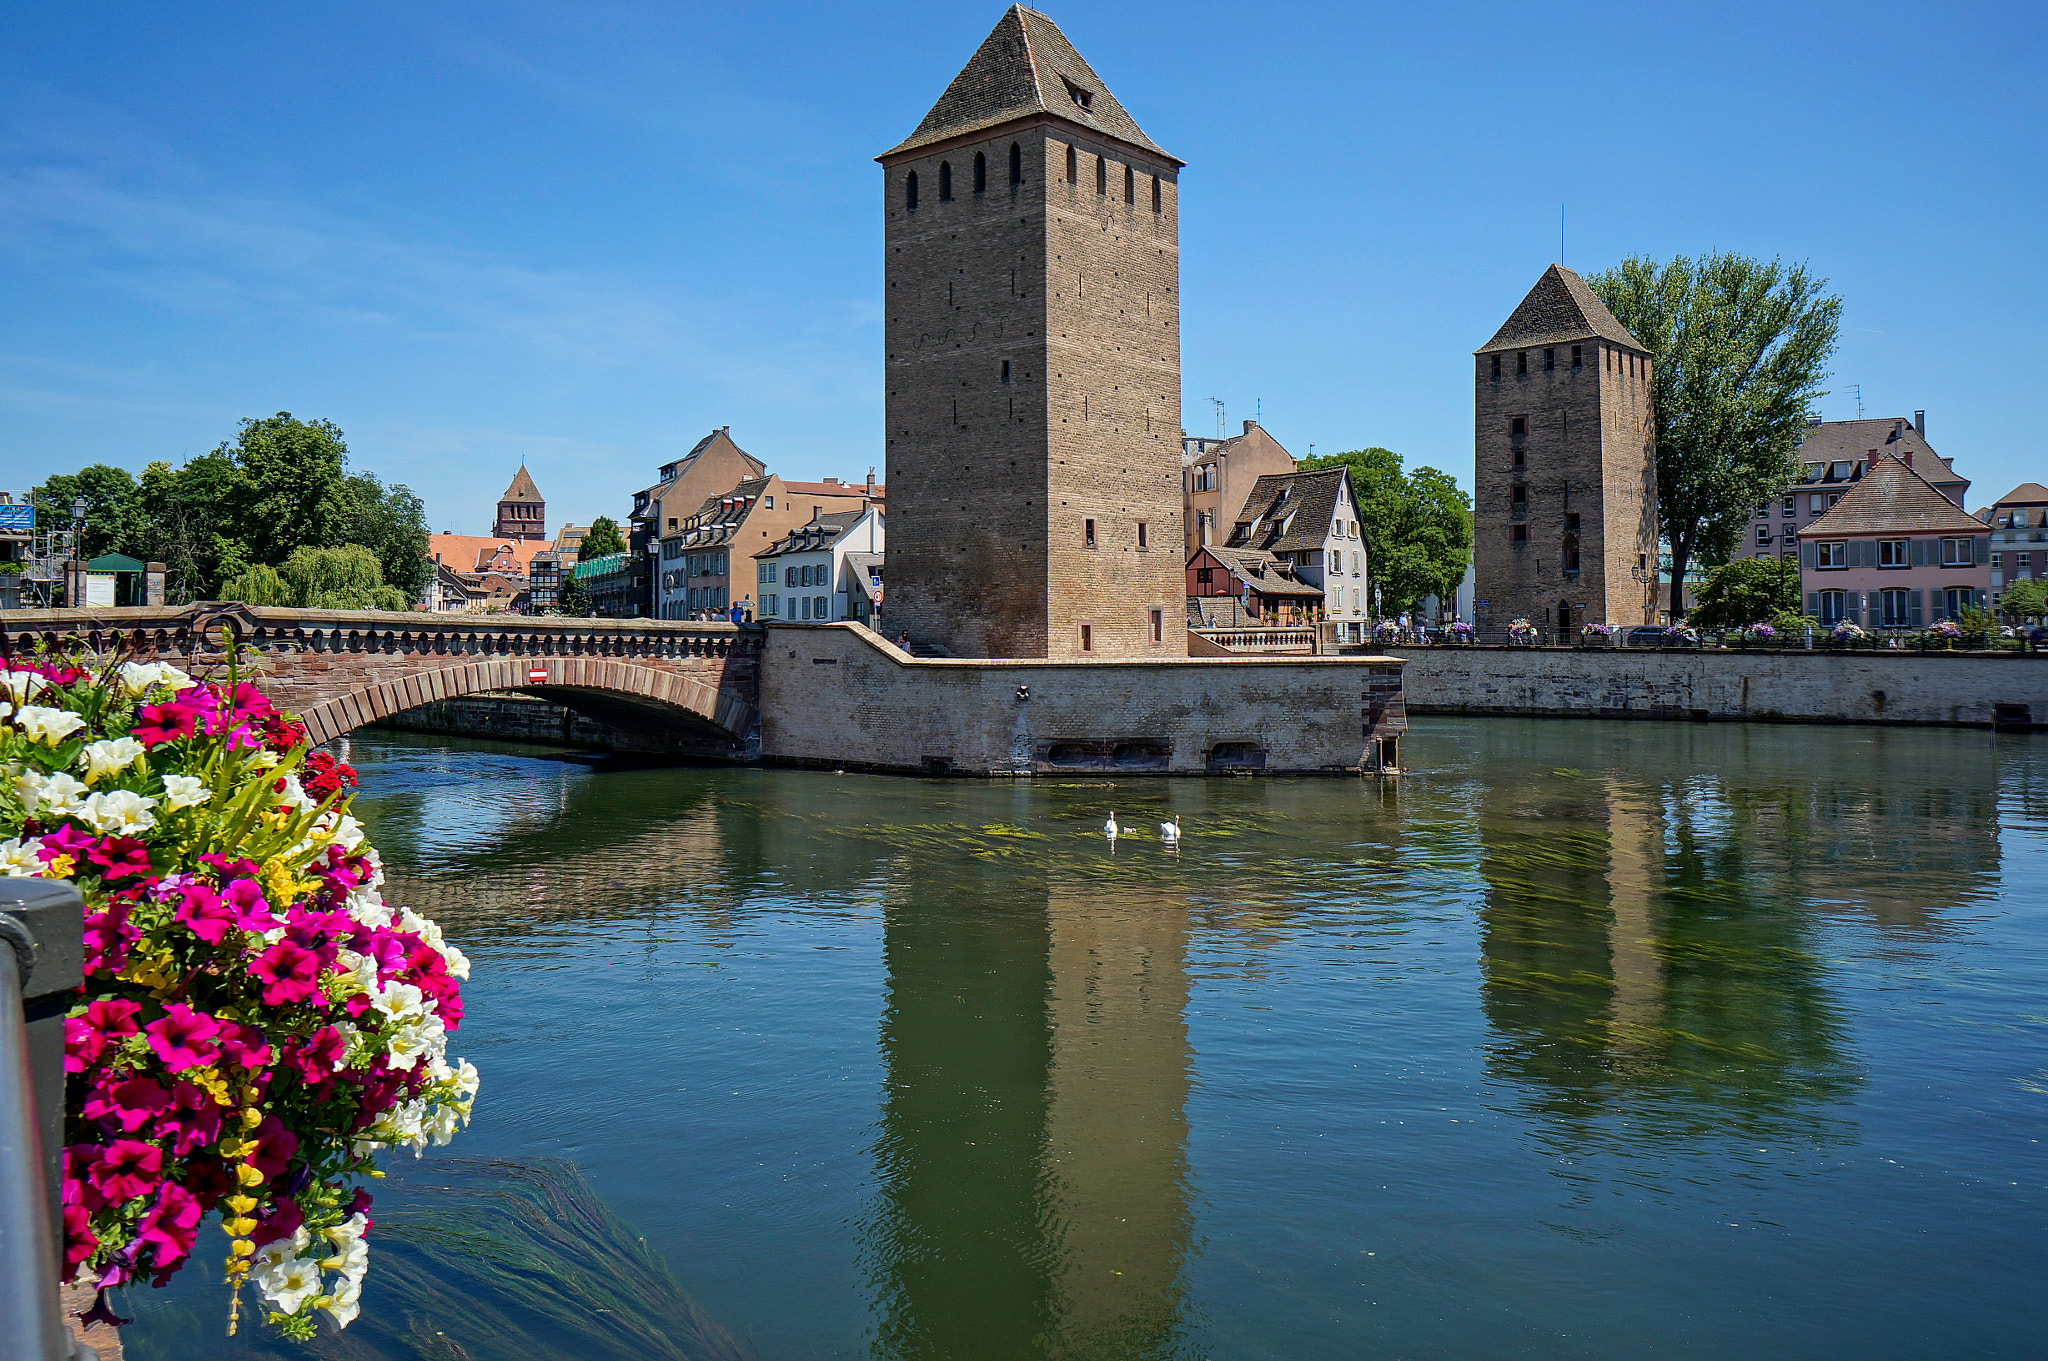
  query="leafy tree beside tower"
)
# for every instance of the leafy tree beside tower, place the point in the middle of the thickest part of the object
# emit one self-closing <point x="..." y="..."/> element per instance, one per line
<point x="1740" y="349"/>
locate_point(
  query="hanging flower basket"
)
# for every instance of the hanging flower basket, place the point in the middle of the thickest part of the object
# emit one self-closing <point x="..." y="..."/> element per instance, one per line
<point x="1596" y="635"/>
<point x="256" y="1023"/>
<point x="1459" y="631"/>
<point x="1521" y="633"/>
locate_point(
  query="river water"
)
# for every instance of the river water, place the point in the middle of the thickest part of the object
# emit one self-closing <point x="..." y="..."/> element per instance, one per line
<point x="1578" y="1040"/>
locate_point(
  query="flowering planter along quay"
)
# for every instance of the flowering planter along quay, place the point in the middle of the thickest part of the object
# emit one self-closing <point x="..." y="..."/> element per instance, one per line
<point x="255" y="1023"/>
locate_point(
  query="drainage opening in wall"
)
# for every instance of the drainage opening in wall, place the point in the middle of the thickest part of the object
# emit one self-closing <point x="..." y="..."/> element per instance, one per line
<point x="1141" y="755"/>
<point x="2012" y="717"/>
<point x="1237" y="756"/>
<point x="1073" y="754"/>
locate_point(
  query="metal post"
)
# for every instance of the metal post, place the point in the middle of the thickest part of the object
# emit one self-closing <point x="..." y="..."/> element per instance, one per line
<point x="41" y="942"/>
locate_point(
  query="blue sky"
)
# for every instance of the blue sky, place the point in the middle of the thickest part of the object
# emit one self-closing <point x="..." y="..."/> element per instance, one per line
<point x="581" y="235"/>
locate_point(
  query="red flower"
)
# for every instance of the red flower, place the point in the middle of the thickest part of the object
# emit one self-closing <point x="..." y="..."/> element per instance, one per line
<point x="244" y="1045"/>
<point x="80" y="1242"/>
<point x="87" y="1036"/>
<point x="317" y="1054"/>
<point x="121" y="857"/>
<point x="274" y="1147"/>
<point x="290" y="973"/>
<point x="170" y="1225"/>
<point x="193" y="1122"/>
<point x="126" y="1170"/>
<point x="281" y="1220"/>
<point x="160" y="723"/>
<point x="183" y="1038"/>
<point x="129" y="1106"/>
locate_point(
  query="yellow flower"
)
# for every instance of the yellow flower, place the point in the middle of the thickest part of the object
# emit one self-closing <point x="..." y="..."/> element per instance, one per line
<point x="242" y="1247"/>
<point x="60" y="867"/>
<point x="249" y="1176"/>
<point x="241" y="1205"/>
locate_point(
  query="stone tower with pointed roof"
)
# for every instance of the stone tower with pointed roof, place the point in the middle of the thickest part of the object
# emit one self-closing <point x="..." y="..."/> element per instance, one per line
<point x="522" y="514"/>
<point x="1033" y="365"/>
<point x="1565" y="481"/>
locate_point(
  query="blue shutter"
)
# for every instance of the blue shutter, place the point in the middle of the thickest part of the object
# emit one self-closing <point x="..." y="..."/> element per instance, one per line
<point x="1806" y="556"/>
<point x="1917" y="618"/>
<point x="1813" y="604"/>
<point x="1852" y="606"/>
<point x="1919" y="552"/>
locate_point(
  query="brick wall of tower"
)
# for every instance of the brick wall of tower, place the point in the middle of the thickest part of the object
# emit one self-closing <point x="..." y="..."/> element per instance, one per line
<point x="991" y="482"/>
<point x="1586" y="451"/>
<point x="965" y="291"/>
<point x="1113" y="323"/>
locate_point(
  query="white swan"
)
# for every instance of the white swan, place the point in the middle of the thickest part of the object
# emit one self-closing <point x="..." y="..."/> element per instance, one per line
<point x="1110" y="829"/>
<point x="1169" y="832"/>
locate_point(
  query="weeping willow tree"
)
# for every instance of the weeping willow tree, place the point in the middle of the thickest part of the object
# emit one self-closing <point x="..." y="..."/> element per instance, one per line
<point x="344" y="578"/>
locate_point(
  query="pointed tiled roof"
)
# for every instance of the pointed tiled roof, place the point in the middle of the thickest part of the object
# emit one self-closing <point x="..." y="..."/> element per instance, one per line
<point x="1834" y="441"/>
<point x="1291" y="512"/>
<point x="1892" y="499"/>
<point x="2025" y="494"/>
<point x="1025" y="67"/>
<point x="522" y="488"/>
<point x="1559" y="308"/>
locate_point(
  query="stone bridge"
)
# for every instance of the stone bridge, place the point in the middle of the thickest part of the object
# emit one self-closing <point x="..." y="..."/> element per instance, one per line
<point x="668" y="685"/>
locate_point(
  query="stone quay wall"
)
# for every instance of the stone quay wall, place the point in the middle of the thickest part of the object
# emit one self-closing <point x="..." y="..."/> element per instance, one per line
<point x="838" y="695"/>
<point x="1967" y="689"/>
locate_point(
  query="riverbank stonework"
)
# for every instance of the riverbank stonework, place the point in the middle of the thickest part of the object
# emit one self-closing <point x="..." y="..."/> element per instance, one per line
<point x="837" y="695"/>
<point x="514" y="718"/>
<point x="1966" y="689"/>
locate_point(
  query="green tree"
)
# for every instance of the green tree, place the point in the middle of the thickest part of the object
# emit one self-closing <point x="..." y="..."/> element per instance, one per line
<point x="2026" y="598"/>
<point x="603" y="538"/>
<point x="1741" y="347"/>
<point x="344" y="578"/>
<point x="1417" y="526"/>
<point x="1747" y="591"/>
<point x="110" y="506"/>
<point x="392" y="523"/>
<point x="572" y="600"/>
<point x="292" y="488"/>
<point x="258" y="585"/>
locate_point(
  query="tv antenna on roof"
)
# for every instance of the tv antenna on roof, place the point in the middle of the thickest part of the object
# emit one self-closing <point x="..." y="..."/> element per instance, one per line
<point x="1856" y="388"/>
<point x="1217" y="402"/>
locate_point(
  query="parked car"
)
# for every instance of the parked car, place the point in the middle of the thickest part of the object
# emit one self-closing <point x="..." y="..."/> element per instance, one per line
<point x="1650" y="635"/>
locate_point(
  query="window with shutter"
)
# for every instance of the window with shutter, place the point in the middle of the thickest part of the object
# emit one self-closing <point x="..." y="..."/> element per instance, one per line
<point x="1813" y="604"/>
<point x="1918" y="617"/>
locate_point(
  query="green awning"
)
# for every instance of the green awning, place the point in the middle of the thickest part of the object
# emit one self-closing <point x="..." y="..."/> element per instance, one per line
<point x="113" y="562"/>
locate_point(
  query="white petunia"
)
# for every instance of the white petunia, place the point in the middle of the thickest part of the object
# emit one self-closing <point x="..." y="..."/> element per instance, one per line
<point x="183" y="791"/>
<point x="20" y="859"/>
<point x="289" y="1282"/>
<point x="347" y="833"/>
<point x="110" y="756"/>
<point x="48" y="726"/>
<point x="408" y="1044"/>
<point x="458" y="962"/>
<point x="50" y="796"/>
<point x="350" y="1258"/>
<point x="349" y="1230"/>
<point x="19" y="685"/>
<point x="294" y="795"/>
<point x="400" y="1002"/>
<point x="119" y="810"/>
<point x="265" y="759"/>
<point x="344" y="1302"/>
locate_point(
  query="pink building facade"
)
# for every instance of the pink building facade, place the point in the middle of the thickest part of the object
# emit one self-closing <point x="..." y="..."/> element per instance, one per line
<point x="1894" y="553"/>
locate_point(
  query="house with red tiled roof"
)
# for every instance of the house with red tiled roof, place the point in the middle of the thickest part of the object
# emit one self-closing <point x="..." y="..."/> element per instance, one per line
<point x="1894" y="552"/>
<point x="2019" y="536"/>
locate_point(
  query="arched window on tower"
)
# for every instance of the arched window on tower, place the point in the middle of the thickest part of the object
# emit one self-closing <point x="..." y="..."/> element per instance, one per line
<point x="1130" y="184"/>
<point x="1102" y="175"/>
<point x="1073" y="167"/>
<point x="980" y="172"/>
<point x="910" y="191"/>
<point x="945" y="181"/>
<point x="1016" y="164"/>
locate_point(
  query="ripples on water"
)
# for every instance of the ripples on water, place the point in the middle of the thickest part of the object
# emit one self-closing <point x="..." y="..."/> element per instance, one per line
<point x="1579" y="1040"/>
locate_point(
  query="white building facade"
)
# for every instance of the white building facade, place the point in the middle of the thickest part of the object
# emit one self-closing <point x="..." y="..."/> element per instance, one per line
<point x="823" y="571"/>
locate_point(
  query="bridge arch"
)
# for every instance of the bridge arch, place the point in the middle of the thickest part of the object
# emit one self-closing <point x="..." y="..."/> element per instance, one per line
<point x="618" y="693"/>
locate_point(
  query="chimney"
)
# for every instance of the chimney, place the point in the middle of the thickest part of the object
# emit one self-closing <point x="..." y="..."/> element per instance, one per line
<point x="871" y="482"/>
<point x="1920" y="423"/>
<point x="831" y="481"/>
<point x="1250" y="426"/>
<point x="1909" y="458"/>
<point x="1873" y="460"/>
<point x="725" y="430"/>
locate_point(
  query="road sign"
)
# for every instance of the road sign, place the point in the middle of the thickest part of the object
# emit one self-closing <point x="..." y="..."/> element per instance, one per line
<point x="537" y="673"/>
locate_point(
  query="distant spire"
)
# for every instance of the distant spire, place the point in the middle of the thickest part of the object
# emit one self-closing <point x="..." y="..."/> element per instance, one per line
<point x="522" y="488"/>
<point x="1026" y="67"/>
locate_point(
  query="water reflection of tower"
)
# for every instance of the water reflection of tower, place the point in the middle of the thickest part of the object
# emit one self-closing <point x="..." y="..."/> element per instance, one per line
<point x="1032" y="1154"/>
<point x="1613" y="983"/>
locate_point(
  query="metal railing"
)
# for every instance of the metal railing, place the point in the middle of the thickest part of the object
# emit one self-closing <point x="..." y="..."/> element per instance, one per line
<point x="1646" y="637"/>
<point x="41" y="944"/>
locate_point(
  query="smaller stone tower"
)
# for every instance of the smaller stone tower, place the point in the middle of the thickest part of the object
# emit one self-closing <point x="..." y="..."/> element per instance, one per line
<point x="522" y="514"/>
<point x="1565" y="483"/>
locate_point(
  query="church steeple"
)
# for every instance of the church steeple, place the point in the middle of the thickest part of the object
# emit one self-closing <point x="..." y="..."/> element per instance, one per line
<point x="522" y="513"/>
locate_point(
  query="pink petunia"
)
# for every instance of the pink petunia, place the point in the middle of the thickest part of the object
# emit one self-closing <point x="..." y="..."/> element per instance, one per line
<point x="317" y="1054"/>
<point x="252" y="910"/>
<point x="183" y="1038"/>
<point x="204" y="914"/>
<point x="103" y="1022"/>
<point x="192" y="1122"/>
<point x="244" y="1045"/>
<point x="281" y="1220"/>
<point x="170" y="1225"/>
<point x="274" y="1147"/>
<point x="127" y="1106"/>
<point x="290" y="973"/>
<point x="107" y="939"/>
<point x="121" y="857"/>
<point x="160" y="723"/>
<point x="126" y="1169"/>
